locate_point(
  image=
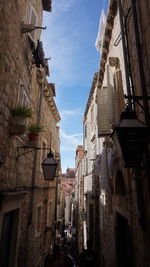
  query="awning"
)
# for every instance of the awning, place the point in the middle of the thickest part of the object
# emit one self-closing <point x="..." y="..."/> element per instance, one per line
<point x="47" y="5"/>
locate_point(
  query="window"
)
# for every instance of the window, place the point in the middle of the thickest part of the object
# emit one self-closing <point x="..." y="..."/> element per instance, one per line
<point x="49" y="213"/>
<point x="86" y="166"/>
<point x="85" y="131"/>
<point x="31" y="18"/>
<point x="9" y="236"/>
<point x="23" y="98"/>
<point x="120" y="185"/>
<point x="92" y="114"/>
<point x="38" y="219"/>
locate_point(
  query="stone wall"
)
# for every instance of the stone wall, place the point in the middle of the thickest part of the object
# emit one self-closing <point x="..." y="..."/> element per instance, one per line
<point x="128" y="205"/>
<point x="22" y="185"/>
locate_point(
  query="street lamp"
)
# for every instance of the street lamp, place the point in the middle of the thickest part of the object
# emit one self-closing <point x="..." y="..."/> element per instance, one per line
<point x="132" y="135"/>
<point x="49" y="166"/>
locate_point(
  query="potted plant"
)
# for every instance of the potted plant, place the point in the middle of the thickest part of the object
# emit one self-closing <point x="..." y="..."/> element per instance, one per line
<point x="34" y="131"/>
<point x="19" y="115"/>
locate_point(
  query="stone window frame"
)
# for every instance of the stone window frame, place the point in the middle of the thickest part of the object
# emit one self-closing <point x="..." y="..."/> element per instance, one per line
<point x="38" y="219"/>
<point x="28" y="20"/>
<point x="49" y="213"/>
<point x="85" y="130"/>
<point x="23" y="99"/>
<point x="23" y="96"/>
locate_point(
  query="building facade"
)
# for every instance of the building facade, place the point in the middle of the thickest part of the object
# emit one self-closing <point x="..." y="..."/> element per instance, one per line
<point x="68" y="184"/>
<point x="27" y="200"/>
<point x="79" y="203"/>
<point x="116" y="186"/>
<point x="124" y="216"/>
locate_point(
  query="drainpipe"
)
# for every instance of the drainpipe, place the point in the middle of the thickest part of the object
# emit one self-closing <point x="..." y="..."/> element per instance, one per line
<point x="38" y="119"/>
<point x="34" y="174"/>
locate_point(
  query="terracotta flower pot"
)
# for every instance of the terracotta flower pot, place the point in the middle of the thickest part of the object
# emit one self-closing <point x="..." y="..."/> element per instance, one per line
<point x="33" y="137"/>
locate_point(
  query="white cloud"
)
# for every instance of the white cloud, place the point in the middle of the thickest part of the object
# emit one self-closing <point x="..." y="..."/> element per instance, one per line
<point x="70" y="142"/>
<point x="62" y="5"/>
<point x="64" y="41"/>
<point x="70" y="113"/>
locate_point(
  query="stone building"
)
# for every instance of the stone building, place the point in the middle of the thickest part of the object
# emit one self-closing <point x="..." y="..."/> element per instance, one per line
<point x="79" y="203"/>
<point x="27" y="205"/>
<point x="68" y="184"/>
<point x="92" y="148"/>
<point x="116" y="184"/>
<point x="124" y="185"/>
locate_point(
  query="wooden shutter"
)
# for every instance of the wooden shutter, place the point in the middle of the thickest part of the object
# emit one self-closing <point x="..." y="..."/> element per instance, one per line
<point x="103" y="102"/>
<point x="111" y="102"/>
<point x="117" y="96"/>
<point x="119" y="91"/>
<point x="113" y="107"/>
<point x="31" y="18"/>
<point x="23" y="98"/>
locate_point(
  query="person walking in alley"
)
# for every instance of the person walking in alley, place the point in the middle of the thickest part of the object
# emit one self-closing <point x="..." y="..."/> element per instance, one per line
<point x="55" y="260"/>
<point x="59" y="258"/>
<point x="88" y="258"/>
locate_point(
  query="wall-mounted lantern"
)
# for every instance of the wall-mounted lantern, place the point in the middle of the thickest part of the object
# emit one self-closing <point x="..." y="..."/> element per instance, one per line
<point x="133" y="138"/>
<point x="49" y="166"/>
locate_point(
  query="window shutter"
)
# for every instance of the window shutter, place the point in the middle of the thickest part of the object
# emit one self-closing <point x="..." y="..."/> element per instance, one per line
<point x="28" y="10"/>
<point x="117" y="95"/>
<point x="23" y="99"/>
<point x="110" y="102"/>
<point x="118" y="103"/>
<point x="33" y="20"/>
<point x="113" y="106"/>
<point x="119" y="91"/>
<point x="104" y="105"/>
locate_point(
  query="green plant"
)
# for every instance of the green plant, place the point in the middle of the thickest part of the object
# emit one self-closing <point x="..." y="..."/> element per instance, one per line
<point x="34" y="128"/>
<point x="21" y="111"/>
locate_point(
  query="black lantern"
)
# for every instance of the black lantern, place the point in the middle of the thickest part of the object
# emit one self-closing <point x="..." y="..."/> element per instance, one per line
<point x="132" y="135"/>
<point x="49" y="166"/>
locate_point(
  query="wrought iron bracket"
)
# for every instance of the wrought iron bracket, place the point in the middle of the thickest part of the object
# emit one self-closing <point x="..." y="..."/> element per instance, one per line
<point x="31" y="150"/>
<point x="137" y="99"/>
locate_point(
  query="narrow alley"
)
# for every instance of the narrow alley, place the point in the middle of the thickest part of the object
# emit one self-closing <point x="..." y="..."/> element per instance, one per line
<point x="75" y="133"/>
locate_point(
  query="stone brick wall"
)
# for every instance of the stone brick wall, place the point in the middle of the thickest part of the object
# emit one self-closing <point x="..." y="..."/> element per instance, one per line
<point x="132" y="205"/>
<point x="142" y="230"/>
<point x="22" y="184"/>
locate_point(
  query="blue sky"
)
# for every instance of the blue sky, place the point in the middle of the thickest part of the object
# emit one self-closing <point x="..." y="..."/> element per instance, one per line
<point x="70" y="42"/>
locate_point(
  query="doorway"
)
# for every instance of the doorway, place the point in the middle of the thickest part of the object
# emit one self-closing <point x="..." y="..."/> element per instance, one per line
<point x="124" y="256"/>
<point x="8" y="242"/>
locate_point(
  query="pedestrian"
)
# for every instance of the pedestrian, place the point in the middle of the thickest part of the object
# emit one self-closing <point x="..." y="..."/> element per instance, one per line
<point x="88" y="258"/>
<point x="69" y="262"/>
<point x="57" y="259"/>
